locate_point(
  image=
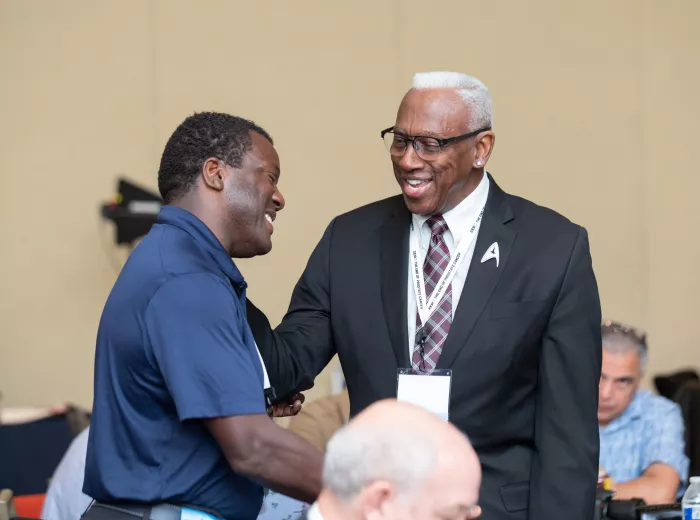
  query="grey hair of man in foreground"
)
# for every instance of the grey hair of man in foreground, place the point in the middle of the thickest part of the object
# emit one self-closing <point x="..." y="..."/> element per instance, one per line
<point x="395" y="461"/>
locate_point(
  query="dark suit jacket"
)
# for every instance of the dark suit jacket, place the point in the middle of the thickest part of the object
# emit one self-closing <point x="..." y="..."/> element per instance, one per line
<point x="524" y="346"/>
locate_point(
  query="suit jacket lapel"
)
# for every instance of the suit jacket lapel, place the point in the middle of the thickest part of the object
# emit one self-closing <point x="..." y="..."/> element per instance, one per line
<point x="394" y="280"/>
<point x="482" y="277"/>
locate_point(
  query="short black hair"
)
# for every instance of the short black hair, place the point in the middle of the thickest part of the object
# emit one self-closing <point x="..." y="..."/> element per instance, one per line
<point x="202" y="136"/>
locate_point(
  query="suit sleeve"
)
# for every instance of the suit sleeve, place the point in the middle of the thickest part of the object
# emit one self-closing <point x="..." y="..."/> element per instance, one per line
<point x="302" y="345"/>
<point x="565" y="469"/>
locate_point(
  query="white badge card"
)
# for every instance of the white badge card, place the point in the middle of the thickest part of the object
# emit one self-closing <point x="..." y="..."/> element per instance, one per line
<point x="429" y="391"/>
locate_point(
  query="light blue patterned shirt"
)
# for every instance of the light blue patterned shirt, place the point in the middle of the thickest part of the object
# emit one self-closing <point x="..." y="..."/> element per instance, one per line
<point x="650" y="430"/>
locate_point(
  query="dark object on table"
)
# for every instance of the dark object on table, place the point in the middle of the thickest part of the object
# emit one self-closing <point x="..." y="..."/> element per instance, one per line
<point x="607" y="508"/>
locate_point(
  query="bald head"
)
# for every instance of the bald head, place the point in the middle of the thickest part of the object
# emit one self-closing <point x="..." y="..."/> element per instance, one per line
<point x="393" y="453"/>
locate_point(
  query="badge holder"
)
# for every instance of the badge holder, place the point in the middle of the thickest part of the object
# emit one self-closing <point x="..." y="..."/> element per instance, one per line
<point x="429" y="391"/>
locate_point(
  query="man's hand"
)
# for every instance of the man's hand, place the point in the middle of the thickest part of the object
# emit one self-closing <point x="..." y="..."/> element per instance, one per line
<point x="289" y="408"/>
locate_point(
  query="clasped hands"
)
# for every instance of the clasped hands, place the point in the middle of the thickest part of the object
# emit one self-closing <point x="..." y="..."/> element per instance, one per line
<point x="288" y="408"/>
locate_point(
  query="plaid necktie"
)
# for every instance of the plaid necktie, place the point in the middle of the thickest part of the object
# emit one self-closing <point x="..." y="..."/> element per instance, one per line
<point x="426" y="355"/>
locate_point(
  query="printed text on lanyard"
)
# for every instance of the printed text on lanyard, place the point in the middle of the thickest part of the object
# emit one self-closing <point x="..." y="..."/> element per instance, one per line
<point x="426" y="308"/>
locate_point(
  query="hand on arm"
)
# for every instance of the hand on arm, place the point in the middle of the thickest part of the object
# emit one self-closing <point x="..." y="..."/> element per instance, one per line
<point x="289" y="407"/>
<point x="213" y="375"/>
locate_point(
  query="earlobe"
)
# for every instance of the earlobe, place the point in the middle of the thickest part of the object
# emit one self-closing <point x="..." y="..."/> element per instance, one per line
<point x="484" y="148"/>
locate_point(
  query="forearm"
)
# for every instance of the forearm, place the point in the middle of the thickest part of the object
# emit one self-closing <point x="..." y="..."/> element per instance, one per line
<point x="287" y="464"/>
<point x="657" y="485"/>
<point x="649" y="489"/>
<point x="256" y="447"/>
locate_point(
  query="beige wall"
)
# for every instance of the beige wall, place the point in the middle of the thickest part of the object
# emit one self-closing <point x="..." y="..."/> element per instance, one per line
<point x="596" y="113"/>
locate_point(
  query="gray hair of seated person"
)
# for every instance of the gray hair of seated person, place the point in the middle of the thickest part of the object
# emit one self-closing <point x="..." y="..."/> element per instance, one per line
<point x="357" y="456"/>
<point x="623" y="340"/>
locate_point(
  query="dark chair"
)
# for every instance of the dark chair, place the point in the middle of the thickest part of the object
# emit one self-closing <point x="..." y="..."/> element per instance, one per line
<point x="30" y="452"/>
<point x="668" y="384"/>
<point x="688" y="398"/>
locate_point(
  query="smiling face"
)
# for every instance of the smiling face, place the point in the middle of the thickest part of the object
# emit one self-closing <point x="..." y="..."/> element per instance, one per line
<point x="438" y="185"/>
<point x="252" y="199"/>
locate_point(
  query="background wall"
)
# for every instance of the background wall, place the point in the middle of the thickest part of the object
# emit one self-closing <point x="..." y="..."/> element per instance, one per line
<point x="596" y="116"/>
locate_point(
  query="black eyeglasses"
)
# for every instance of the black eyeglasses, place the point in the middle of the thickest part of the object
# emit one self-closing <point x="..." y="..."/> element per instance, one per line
<point x="612" y="327"/>
<point x="427" y="148"/>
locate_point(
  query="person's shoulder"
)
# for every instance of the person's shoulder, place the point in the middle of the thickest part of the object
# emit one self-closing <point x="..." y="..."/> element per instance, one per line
<point x="194" y="289"/>
<point x="654" y="406"/>
<point x="196" y="282"/>
<point x="164" y="253"/>
<point x="542" y="228"/>
<point x="533" y="215"/>
<point x="366" y="220"/>
<point x="655" y="409"/>
<point x="376" y="211"/>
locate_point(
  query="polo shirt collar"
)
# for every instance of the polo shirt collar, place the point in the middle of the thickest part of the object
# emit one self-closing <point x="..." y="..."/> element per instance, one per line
<point x="183" y="219"/>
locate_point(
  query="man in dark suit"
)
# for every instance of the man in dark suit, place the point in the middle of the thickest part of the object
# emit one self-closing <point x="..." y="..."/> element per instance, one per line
<point x="516" y="318"/>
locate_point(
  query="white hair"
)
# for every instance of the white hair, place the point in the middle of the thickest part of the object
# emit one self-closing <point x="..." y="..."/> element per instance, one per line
<point x="617" y="342"/>
<point x="357" y="456"/>
<point x="471" y="90"/>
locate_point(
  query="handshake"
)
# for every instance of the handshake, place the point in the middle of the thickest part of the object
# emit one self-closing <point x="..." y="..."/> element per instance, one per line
<point x="283" y="408"/>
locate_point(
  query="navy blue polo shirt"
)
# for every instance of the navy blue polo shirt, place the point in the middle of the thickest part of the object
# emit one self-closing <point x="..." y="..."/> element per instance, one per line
<point x="173" y="347"/>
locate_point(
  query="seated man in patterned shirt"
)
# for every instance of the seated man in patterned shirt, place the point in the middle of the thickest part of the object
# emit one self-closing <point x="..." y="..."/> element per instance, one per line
<point x="641" y="434"/>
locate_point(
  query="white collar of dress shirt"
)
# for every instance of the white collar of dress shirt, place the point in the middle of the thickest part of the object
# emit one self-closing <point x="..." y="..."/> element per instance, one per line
<point x="466" y="211"/>
<point x="314" y="513"/>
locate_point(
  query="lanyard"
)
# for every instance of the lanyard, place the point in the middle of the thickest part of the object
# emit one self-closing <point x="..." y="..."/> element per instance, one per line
<point x="266" y="379"/>
<point x="426" y="308"/>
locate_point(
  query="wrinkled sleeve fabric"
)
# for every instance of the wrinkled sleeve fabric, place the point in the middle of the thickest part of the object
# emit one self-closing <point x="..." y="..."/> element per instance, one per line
<point x="195" y="325"/>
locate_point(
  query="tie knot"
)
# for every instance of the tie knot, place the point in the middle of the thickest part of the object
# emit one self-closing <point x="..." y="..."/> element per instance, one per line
<point x="437" y="225"/>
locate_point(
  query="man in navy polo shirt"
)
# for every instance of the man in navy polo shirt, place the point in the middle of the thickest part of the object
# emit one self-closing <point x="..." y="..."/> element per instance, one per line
<point x="180" y="425"/>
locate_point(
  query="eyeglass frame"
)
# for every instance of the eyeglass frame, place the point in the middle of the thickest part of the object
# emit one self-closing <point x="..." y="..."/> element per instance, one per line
<point x="442" y="142"/>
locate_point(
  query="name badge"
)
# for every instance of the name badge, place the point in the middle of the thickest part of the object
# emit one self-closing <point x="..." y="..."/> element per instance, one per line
<point x="429" y="391"/>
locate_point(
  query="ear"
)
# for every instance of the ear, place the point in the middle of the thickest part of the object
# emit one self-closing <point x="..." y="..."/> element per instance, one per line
<point x="376" y="500"/>
<point x="213" y="173"/>
<point x="483" y="149"/>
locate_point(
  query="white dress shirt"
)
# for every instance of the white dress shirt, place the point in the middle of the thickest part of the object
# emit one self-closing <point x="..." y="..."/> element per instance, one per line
<point x="314" y="513"/>
<point x="65" y="499"/>
<point x="459" y="219"/>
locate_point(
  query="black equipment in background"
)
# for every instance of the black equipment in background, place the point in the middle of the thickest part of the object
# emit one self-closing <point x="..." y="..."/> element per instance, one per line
<point x="607" y="508"/>
<point x="133" y="212"/>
